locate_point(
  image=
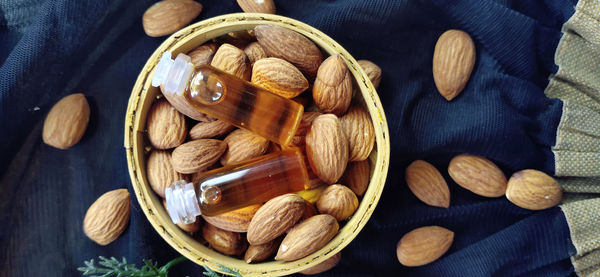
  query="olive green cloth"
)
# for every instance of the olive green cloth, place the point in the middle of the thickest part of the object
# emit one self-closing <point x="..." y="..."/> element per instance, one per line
<point x="577" y="149"/>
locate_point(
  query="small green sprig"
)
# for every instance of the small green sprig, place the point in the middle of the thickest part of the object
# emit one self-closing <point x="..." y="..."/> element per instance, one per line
<point x="210" y="273"/>
<point x="112" y="267"/>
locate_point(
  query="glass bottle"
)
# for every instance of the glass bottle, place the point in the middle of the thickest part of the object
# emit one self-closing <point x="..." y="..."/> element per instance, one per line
<point x="224" y="96"/>
<point x="235" y="186"/>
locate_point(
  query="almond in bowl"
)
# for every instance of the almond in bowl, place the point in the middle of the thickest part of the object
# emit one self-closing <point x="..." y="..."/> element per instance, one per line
<point x="309" y="238"/>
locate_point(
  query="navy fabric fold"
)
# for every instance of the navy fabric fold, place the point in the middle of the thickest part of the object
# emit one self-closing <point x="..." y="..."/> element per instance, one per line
<point x="49" y="49"/>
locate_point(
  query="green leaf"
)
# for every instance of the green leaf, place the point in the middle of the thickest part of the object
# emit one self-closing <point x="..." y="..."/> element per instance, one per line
<point x="112" y="267"/>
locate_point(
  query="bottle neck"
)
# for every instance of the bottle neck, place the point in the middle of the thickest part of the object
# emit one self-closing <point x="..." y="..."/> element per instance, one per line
<point x="182" y="202"/>
<point x="175" y="74"/>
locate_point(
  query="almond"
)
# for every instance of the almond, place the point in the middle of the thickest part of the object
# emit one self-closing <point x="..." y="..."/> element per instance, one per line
<point x="203" y="54"/>
<point x="275" y="217"/>
<point x="327" y="148"/>
<point x="423" y="245"/>
<point x="210" y="129"/>
<point x="226" y="242"/>
<point x="160" y="171"/>
<point x="372" y="70"/>
<point x="257" y="6"/>
<point x="360" y="133"/>
<point x="324" y="265"/>
<point x="181" y="104"/>
<point x="303" y="127"/>
<point x="254" y="52"/>
<point x="279" y="77"/>
<point x="197" y="155"/>
<point x="427" y="184"/>
<point x="107" y="217"/>
<point x="338" y="201"/>
<point x="231" y="60"/>
<point x="166" y="126"/>
<point x="260" y="252"/>
<point x="309" y="210"/>
<point x="332" y="90"/>
<point x="313" y="179"/>
<point x="453" y="61"/>
<point x="307" y="237"/>
<point x="236" y="220"/>
<point x="67" y="121"/>
<point x="167" y="17"/>
<point x="291" y="46"/>
<point x="477" y="174"/>
<point x="189" y="228"/>
<point x="306" y="122"/>
<point x="243" y="145"/>
<point x="357" y="177"/>
<point x="534" y="190"/>
<point x="239" y="39"/>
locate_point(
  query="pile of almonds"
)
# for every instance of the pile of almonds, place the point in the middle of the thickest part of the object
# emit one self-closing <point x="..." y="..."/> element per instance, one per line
<point x="453" y="62"/>
<point x="336" y="135"/>
<point x="528" y="189"/>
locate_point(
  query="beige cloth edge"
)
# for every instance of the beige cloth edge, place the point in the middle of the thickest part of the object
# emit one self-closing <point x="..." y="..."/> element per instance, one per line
<point x="577" y="149"/>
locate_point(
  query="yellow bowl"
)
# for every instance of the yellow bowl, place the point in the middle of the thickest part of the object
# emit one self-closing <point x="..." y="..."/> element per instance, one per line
<point x="136" y="146"/>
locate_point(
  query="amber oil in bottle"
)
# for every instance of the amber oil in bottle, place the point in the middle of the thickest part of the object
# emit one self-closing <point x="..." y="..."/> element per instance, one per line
<point x="229" y="98"/>
<point x="235" y="186"/>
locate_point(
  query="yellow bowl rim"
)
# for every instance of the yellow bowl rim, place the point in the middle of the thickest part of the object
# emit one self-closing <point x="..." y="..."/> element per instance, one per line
<point x="134" y="133"/>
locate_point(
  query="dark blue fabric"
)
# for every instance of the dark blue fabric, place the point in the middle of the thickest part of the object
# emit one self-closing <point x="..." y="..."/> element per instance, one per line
<point x="49" y="49"/>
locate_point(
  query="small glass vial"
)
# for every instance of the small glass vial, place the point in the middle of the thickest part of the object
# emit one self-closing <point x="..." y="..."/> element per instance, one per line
<point x="235" y="186"/>
<point x="224" y="96"/>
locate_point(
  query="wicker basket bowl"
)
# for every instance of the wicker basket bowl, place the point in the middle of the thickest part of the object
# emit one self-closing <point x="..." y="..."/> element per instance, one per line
<point x="136" y="145"/>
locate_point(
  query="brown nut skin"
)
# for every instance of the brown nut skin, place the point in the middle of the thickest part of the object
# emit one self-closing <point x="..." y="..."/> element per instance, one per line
<point x="166" y="126"/>
<point x="253" y="6"/>
<point x="226" y="242"/>
<point x="338" y="201"/>
<point x="453" y="62"/>
<point x="210" y="129"/>
<point x="428" y="184"/>
<point x="359" y="130"/>
<point x="324" y="265"/>
<point x="231" y="60"/>
<point x="66" y="122"/>
<point x="197" y="155"/>
<point x="160" y="171"/>
<point x="254" y="52"/>
<point x="307" y="237"/>
<point x="203" y="54"/>
<point x="477" y="174"/>
<point x="107" y="218"/>
<point x="167" y="17"/>
<point x="291" y="46"/>
<point x="243" y="145"/>
<point x="279" y="76"/>
<point x="327" y="148"/>
<point x="309" y="210"/>
<point x="235" y="221"/>
<point x="275" y="217"/>
<point x="261" y="252"/>
<point x="372" y="70"/>
<point x="533" y="190"/>
<point x="332" y="90"/>
<point x="423" y="245"/>
<point x="357" y="177"/>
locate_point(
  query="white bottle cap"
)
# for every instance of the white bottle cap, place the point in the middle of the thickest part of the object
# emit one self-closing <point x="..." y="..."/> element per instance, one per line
<point x="174" y="74"/>
<point x="182" y="203"/>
